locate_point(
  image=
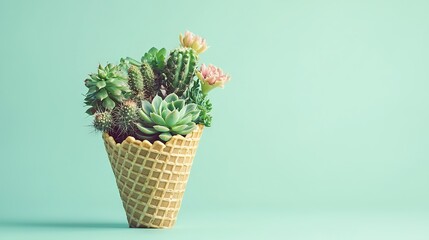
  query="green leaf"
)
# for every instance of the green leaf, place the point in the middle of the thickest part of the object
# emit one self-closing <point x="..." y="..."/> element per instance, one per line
<point x="182" y="113"/>
<point x="102" y="94"/>
<point x="118" y="82"/>
<point x="133" y="61"/>
<point x="144" y="117"/>
<point x="153" y="50"/>
<point x="146" y="130"/>
<point x="190" y="107"/>
<point x="100" y="84"/>
<point x="91" y="90"/>
<point x="90" y="111"/>
<point x="179" y="104"/>
<point x="179" y="128"/>
<point x="190" y="127"/>
<point x="193" y="113"/>
<point x="89" y="83"/>
<point x="157" y="119"/>
<point x="117" y="98"/>
<point x="170" y="106"/>
<point x="172" y="118"/>
<point x="156" y="103"/>
<point x="165" y="113"/>
<point x="102" y="73"/>
<point x="171" y="97"/>
<point x="165" y="136"/>
<point x="160" y="128"/>
<point x="93" y="76"/>
<point x="164" y="105"/>
<point x="184" y="120"/>
<point x="162" y="52"/>
<point x="146" y="107"/>
<point x="108" y="103"/>
<point x="114" y="90"/>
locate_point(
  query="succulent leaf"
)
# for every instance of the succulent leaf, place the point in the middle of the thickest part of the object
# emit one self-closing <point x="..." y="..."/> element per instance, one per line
<point x="157" y="119"/>
<point x="144" y="116"/>
<point x="171" y="98"/>
<point x="179" y="128"/>
<point x="102" y="94"/>
<point x="160" y="128"/>
<point x="147" y="107"/>
<point x="108" y="103"/>
<point x="165" y="136"/>
<point x="172" y="118"/>
<point x="100" y="84"/>
<point x="149" y="131"/>
<point x="163" y="118"/>
<point x="155" y="57"/>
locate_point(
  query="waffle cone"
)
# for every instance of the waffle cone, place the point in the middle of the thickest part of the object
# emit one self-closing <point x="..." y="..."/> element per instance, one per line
<point x="152" y="178"/>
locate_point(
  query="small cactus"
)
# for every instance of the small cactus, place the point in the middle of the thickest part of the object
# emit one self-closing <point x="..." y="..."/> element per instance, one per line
<point x="149" y="83"/>
<point x="135" y="80"/>
<point x="180" y="70"/>
<point x="103" y="121"/>
<point x="124" y="116"/>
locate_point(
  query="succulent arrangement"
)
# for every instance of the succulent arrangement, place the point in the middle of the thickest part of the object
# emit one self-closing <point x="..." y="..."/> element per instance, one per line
<point x="160" y="96"/>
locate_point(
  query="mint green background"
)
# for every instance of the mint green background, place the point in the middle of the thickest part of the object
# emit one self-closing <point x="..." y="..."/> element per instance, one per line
<point x="322" y="132"/>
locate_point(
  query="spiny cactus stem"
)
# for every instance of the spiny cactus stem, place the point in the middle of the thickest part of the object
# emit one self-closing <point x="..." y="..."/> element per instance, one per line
<point x="178" y="68"/>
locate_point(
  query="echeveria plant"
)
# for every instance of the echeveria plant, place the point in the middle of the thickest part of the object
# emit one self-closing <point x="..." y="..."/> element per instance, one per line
<point x="155" y="98"/>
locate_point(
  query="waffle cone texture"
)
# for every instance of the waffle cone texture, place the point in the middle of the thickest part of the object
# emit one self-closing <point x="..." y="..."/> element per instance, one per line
<point x="152" y="178"/>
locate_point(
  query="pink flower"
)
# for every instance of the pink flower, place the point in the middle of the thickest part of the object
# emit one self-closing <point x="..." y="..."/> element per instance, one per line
<point x="211" y="77"/>
<point x="193" y="41"/>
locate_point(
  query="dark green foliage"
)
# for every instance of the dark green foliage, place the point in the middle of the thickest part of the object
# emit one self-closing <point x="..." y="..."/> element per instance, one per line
<point x="180" y="70"/>
<point x="195" y="95"/>
<point x="106" y="88"/>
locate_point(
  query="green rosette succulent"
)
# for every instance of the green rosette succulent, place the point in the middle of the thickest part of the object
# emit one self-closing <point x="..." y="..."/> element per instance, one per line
<point x="164" y="118"/>
<point x="155" y="58"/>
<point x="106" y="88"/>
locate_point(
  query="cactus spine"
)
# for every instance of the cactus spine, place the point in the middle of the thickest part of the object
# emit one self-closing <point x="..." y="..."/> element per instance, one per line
<point x="180" y="70"/>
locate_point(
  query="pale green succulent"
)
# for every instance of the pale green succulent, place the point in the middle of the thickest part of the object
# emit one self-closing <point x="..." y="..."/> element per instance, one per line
<point x="163" y="119"/>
